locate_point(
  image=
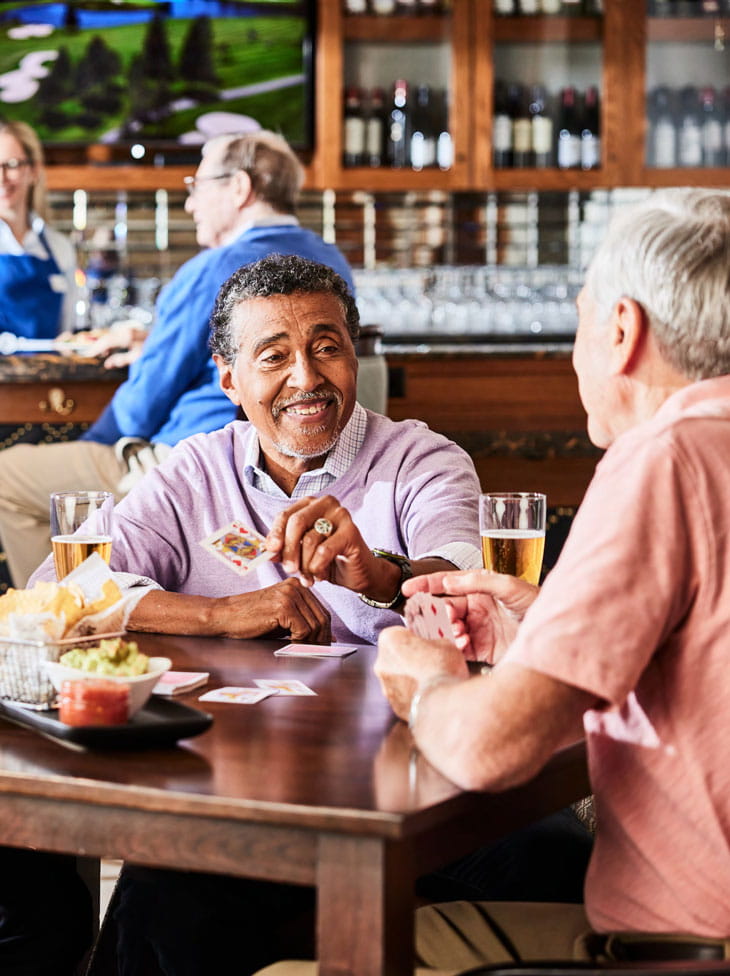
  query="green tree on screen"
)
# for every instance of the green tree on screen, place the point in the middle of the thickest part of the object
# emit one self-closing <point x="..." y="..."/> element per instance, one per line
<point x="196" y="55"/>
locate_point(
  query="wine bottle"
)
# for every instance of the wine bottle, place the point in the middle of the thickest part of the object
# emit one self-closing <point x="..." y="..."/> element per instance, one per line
<point x="662" y="150"/>
<point x="521" y="128"/>
<point x="374" y="128"/>
<point x="423" y="130"/>
<point x="399" y="126"/>
<point x="713" y="142"/>
<point x="541" y="126"/>
<point x="689" y="130"/>
<point x="568" y="126"/>
<point x="354" y="141"/>
<point x="501" y="128"/>
<point x="590" y="134"/>
<point x="444" y="142"/>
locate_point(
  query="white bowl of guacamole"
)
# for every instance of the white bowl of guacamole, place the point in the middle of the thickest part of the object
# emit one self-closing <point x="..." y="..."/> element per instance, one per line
<point x="114" y="660"/>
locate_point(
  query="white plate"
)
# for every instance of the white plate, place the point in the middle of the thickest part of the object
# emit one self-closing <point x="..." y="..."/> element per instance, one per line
<point x="140" y="686"/>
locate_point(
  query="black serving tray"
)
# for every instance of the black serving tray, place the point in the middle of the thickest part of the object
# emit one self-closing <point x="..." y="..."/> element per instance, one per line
<point x="160" y="723"/>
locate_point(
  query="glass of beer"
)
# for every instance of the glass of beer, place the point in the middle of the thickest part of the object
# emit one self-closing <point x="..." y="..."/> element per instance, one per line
<point x="512" y="526"/>
<point x="81" y="523"/>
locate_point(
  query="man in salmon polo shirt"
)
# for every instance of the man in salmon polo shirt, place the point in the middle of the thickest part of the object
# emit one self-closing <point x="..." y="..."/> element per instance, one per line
<point x="626" y="644"/>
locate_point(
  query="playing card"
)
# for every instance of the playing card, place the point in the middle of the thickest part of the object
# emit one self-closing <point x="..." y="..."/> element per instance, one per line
<point x="284" y="686"/>
<point x="241" y="549"/>
<point x="316" y="650"/>
<point x="427" y="616"/>
<point x="238" y="696"/>
<point x="178" y="682"/>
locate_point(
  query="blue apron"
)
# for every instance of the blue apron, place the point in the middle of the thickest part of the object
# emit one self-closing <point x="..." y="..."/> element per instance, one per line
<point x="30" y="295"/>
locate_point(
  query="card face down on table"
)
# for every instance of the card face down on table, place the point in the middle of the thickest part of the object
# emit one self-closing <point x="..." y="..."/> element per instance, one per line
<point x="316" y="650"/>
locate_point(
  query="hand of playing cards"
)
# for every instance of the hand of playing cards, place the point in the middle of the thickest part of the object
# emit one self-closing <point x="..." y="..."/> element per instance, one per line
<point x="426" y="615"/>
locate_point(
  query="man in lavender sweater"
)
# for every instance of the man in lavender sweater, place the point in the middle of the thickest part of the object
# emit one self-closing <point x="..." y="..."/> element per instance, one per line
<point x="351" y="503"/>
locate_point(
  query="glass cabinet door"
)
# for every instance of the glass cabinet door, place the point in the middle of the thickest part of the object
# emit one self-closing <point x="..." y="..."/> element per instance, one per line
<point x="547" y="102"/>
<point x="399" y="106"/>
<point x="688" y="85"/>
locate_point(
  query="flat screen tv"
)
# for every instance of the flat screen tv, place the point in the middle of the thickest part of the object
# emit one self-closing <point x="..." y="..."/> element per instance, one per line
<point x="155" y="78"/>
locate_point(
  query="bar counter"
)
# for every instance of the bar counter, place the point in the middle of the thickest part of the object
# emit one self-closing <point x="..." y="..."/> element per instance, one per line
<point x="48" y="388"/>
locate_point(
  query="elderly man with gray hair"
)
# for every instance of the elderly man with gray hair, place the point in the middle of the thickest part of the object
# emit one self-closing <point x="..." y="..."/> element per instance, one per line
<point x="626" y="643"/>
<point x="242" y="199"/>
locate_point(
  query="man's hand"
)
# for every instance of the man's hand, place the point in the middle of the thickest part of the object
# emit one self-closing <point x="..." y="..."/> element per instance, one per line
<point x="119" y="345"/>
<point x="287" y="606"/>
<point x="485" y="608"/>
<point x="405" y="662"/>
<point x="342" y="557"/>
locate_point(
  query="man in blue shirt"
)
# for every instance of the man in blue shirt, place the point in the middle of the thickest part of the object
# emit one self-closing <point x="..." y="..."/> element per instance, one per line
<point x="242" y="200"/>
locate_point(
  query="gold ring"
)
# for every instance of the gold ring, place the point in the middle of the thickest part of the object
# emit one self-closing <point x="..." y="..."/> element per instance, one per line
<point x="323" y="526"/>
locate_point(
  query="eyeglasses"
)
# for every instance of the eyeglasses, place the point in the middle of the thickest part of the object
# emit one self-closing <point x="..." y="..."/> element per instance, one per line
<point x="192" y="183"/>
<point x="12" y="167"/>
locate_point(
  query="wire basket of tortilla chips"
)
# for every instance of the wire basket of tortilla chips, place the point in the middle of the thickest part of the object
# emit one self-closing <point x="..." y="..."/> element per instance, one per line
<point x="40" y="624"/>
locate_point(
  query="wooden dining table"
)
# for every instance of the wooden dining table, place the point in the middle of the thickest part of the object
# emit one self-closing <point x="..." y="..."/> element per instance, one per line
<point x="324" y="790"/>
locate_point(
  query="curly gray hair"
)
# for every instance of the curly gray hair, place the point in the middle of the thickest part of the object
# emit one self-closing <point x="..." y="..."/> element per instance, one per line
<point x="276" y="274"/>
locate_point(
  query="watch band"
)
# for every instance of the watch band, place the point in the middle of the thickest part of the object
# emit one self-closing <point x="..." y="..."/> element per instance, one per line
<point x="406" y="572"/>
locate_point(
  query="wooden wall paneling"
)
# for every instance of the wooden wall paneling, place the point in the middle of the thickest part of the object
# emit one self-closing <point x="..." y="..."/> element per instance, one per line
<point x="481" y="94"/>
<point x="486" y="393"/>
<point x="329" y="75"/>
<point x="623" y="96"/>
<point x="462" y="96"/>
<point x="519" y="418"/>
<point x="563" y="479"/>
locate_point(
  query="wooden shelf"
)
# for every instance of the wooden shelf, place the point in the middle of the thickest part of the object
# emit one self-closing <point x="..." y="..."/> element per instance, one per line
<point x="540" y="30"/>
<point x="547" y="179"/>
<point x="113" y="178"/>
<point x="682" y="30"/>
<point x="397" y="30"/>
<point x="386" y="179"/>
<point x="718" y="176"/>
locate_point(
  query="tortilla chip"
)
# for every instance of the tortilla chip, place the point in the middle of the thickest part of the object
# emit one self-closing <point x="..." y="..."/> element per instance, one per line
<point x="110" y="594"/>
<point x="57" y="611"/>
<point x="62" y="602"/>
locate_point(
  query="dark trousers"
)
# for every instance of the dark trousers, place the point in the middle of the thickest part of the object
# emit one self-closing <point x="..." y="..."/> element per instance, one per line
<point x="191" y="924"/>
<point x="45" y="914"/>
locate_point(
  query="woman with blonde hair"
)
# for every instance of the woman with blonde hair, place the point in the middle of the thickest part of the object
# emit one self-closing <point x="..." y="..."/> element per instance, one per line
<point x="37" y="263"/>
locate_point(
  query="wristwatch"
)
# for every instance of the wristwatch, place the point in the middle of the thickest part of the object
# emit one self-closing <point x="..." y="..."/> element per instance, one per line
<point x="406" y="572"/>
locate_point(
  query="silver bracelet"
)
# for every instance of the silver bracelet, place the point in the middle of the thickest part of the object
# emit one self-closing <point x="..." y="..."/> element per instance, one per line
<point x="423" y="690"/>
